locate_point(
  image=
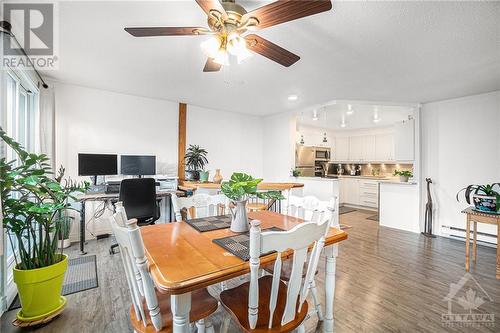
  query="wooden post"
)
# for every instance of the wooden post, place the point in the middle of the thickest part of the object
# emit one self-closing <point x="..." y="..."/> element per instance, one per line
<point x="181" y="167"/>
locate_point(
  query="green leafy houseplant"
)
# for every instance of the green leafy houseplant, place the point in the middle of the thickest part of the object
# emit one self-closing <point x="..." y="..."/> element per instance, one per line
<point x="34" y="207"/>
<point x="196" y="159"/>
<point x="241" y="186"/>
<point x="485" y="197"/>
<point x="296" y="173"/>
<point x="238" y="189"/>
<point x="403" y="173"/>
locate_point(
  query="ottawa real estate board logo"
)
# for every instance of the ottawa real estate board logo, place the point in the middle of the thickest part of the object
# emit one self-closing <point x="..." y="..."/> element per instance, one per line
<point x="30" y="35"/>
<point x="465" y="299"/>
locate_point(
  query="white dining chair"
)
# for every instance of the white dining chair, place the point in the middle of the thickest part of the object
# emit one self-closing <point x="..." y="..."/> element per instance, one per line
<point x="310" y="209"/>
<point x="199" y="205"/>
<point x="158" y="316"/>
<point x="267" y="304"/>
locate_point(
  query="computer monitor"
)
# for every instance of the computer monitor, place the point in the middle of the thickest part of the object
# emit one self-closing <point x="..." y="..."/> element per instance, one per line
<point x="97" y="165"/>
<point x="138" y="165"/>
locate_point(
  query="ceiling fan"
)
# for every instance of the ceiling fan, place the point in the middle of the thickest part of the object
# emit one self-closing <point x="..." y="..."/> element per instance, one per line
<point x="228" y="21"/>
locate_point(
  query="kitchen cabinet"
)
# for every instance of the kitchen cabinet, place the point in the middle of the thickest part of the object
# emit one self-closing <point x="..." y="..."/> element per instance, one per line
<point x="384" y="147"/>
<point x="340" y="151"/>
<point x="359" y="192"/>
<point x="356" y="148"/>
<point x="369" y="148"/>
<point x="404" y="141"/>
<point x="351" y="191"/>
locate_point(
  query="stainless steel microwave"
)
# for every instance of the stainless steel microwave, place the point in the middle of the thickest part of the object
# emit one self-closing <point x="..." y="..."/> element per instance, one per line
<point x="322" y="154"/>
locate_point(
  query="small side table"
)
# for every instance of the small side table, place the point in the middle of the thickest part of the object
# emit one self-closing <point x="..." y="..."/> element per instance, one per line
<point x="475" y="217"/>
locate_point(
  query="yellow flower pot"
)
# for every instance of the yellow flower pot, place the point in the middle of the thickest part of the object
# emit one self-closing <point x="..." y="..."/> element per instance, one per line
<point x="40" y="290"/>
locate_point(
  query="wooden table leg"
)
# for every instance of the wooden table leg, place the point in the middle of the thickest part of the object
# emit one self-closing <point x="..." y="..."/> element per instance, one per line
<point x="498" y="250"/>
<point x="474" y="246"/>
<point x="467" y="244"/>
<point x="180" y="305"/>
<point x="331" y="253"/>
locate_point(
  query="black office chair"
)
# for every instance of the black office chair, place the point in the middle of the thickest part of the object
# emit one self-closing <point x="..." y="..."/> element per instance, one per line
<point x="138" y="196"/>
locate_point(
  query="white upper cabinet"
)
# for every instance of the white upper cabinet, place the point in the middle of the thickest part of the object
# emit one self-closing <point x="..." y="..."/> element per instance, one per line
<point x="404" y="141"/>
<point x="356" y="148"/>
<point x="369" y="148"/>
<point x="384" y="147"/>
<point x="340" y="151"/>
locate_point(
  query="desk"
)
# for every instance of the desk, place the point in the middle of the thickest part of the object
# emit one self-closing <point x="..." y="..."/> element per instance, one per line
<point x="169" y="247"/>
<point x="475" y="216"/>
<point x="113" y="197"/>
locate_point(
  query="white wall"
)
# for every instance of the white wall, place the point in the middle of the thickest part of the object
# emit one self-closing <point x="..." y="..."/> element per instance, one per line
<point x="460" y="146"/>
<point x="279" y="146"/>
<point x="233" y="141"/>
<point x="97" y="121"/>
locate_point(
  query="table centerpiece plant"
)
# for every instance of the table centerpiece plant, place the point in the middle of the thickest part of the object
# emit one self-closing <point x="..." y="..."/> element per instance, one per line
<point x="239" y="189"/>
<point x="486" y="198"/>
<point x="34" y="210"/>
<point x="196" y="159"/>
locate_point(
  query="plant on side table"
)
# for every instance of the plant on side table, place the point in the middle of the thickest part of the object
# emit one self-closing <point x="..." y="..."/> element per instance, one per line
<point x="196" y="159"/>
<point x="238" y="189"/>
<point x="404" y="175"/>
<point x="486" y="198"/>
<point x="33" y="208"/>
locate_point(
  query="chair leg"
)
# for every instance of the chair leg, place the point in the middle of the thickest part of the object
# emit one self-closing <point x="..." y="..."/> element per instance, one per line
<point x="226" y="319"/>
<point x="317" y="304"/>
<point x="200" y="325"/>
<point x="301" y="329"/>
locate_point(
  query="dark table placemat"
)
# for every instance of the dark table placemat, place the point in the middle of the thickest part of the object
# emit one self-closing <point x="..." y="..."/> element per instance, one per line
<point x="239" y="245"/>
<point x="210" y="223"/>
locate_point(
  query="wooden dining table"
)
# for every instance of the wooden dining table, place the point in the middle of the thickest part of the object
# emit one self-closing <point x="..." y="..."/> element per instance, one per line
<point x="182" y="259"/>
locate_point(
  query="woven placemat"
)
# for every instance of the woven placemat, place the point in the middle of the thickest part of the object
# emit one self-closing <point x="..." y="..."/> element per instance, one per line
<point x="210" y="223"/>
<point x="239" y="245"/>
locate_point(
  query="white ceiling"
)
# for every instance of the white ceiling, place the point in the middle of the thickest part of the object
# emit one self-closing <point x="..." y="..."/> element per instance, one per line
<point x="381" y="51"/>
<point x="331" y="116"/>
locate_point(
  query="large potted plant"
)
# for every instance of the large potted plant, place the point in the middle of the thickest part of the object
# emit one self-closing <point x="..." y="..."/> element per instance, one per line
<point x="196" y="159"/>
<point x="238" y="189"/>
<point x="33" y="207"/>
<point x="486" y="198"/>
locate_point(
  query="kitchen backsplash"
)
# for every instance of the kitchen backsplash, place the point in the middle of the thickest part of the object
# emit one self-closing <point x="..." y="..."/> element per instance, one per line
<point x="384" y="169"/>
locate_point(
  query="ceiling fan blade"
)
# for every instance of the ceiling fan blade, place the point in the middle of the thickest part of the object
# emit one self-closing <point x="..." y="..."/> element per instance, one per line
<point x="271" y="51"/>
<point x="165" y="31"/>
<point x="208" y="5"/>
<point x="286" y="10"/>
<point x="211" y="66"/>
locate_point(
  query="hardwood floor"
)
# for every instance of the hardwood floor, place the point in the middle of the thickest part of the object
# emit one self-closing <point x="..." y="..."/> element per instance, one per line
<point x="387" y="281"/>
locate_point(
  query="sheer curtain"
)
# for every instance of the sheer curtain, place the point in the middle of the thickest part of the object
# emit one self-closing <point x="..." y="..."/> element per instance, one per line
<point x="47" y="109"/>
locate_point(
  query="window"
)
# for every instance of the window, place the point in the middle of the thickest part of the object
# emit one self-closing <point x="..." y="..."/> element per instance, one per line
<point x="21" y="118"/>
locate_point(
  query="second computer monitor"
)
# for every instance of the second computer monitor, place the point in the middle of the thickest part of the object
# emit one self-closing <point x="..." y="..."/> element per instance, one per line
<point x="138" y="165"/>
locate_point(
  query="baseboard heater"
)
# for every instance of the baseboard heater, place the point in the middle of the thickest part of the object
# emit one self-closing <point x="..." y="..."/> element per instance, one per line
<point x="483" y="238"/>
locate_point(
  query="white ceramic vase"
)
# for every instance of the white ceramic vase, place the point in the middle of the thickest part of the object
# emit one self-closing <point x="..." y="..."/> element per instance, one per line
<point x="239" y="218"/>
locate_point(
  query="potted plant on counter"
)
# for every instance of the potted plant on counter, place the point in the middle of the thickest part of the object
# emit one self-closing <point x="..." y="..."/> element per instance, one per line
<point x="33" y="209"/>
<point x="238" y="189"/>
<point x="404" y="175"/>
<point x="486" y="198"/>
<point x="196" y="159"/>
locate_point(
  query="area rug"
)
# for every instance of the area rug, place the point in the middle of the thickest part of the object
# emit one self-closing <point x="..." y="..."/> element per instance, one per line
<point x="345" y="210"/>
<point x="81" y="275"/>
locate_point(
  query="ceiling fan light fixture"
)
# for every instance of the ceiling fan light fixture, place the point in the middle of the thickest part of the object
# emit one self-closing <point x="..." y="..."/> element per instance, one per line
<point x="237" y="46"/>
<point x="211" y="47"/>
<point x="221" y="58"/>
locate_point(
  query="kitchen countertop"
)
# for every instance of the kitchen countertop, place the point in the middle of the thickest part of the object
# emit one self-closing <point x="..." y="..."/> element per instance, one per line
<point x="381" y="179"/>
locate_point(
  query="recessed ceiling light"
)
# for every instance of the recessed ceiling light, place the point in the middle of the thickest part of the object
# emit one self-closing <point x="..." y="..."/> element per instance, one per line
<point x="349" y="110"/>
<point x="293" y="97"/>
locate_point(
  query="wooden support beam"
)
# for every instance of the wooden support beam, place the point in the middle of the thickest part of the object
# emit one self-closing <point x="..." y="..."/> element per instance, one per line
<point x="181" y="165"/>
